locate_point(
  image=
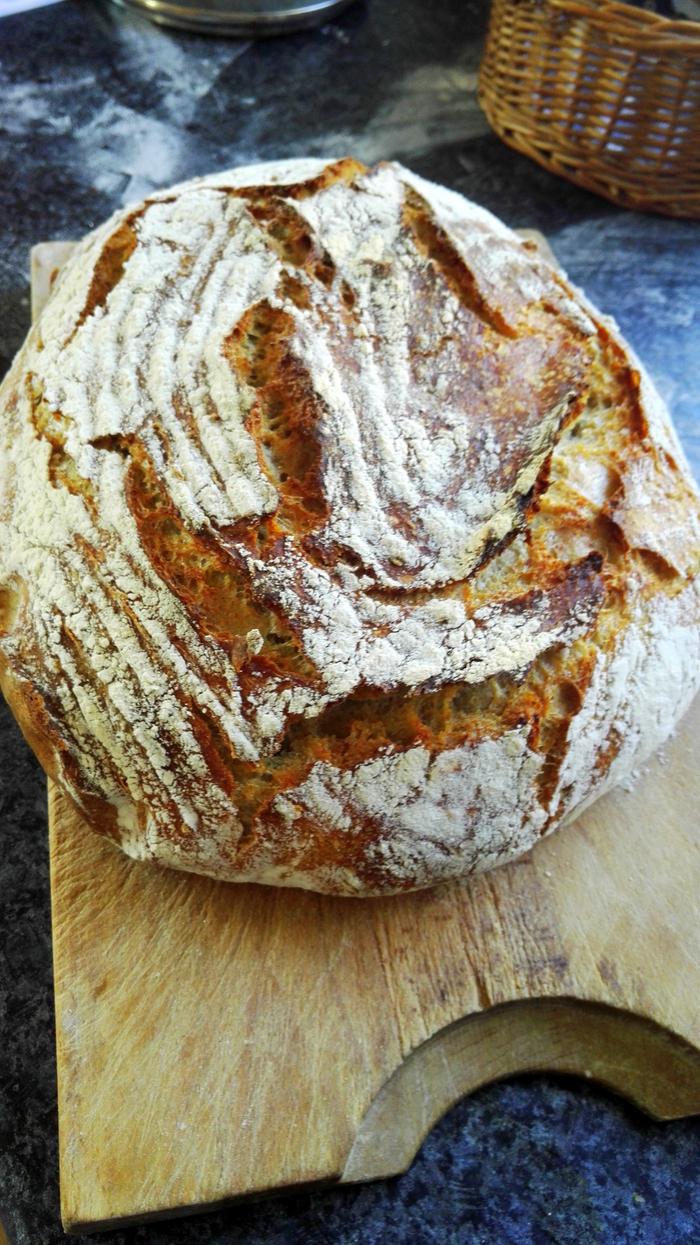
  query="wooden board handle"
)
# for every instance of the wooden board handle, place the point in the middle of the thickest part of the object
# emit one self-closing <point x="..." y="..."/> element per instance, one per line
<point x="645" y="1063"/>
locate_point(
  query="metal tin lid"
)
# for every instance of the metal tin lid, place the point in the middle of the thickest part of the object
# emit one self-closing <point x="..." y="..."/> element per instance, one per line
<point x="237" y="17"/>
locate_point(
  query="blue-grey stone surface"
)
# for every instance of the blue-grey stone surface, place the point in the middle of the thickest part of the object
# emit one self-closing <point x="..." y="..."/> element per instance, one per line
<point x="97" y="108"/>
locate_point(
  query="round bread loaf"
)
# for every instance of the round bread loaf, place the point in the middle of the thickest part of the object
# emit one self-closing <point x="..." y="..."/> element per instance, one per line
<point x="343" y="544"/>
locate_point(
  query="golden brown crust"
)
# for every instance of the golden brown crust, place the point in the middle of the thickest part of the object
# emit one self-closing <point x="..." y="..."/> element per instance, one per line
<point x="344" y="540"/>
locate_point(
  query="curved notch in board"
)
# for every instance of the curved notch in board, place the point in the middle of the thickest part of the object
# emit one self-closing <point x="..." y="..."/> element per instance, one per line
<point x="636" y="1058"/>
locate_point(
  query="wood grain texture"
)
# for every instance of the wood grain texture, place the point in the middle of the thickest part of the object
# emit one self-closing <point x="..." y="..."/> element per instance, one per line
<point x="220" y="1041"/>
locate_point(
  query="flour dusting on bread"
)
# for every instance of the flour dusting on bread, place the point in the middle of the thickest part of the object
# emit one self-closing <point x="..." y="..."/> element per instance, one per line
<point x="344" y="544"/>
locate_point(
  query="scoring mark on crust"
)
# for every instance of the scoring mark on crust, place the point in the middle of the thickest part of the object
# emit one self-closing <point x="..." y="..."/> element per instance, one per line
<point x="215" y="590"/>
<point x="52" y="426"/>
<point x="284" y="418"/>
<point x="433" y="242"/>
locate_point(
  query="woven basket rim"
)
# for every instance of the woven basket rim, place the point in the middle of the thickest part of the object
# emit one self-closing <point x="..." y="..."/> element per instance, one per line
<point x="639" y="25"/>
<point x="601" y="93"/>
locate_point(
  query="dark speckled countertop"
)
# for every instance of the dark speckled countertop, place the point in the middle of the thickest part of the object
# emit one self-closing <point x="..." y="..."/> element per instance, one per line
<point x="98" y="108"/>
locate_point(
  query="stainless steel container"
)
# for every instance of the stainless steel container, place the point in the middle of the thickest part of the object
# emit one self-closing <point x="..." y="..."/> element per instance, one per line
<point x="237" y="17"/>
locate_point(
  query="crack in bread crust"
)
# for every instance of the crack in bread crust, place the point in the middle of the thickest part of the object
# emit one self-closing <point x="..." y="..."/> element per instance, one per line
<point x="344" y="545"/>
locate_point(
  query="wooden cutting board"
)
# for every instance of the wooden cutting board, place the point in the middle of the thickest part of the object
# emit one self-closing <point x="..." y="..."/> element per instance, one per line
<point x="219" y="1041"/>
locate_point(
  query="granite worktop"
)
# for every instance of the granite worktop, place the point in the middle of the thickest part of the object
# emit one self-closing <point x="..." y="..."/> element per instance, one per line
<point x="98" y="108"/>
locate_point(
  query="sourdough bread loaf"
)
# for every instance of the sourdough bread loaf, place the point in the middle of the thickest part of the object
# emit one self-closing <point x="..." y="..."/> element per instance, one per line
<point x="343" y="544"/>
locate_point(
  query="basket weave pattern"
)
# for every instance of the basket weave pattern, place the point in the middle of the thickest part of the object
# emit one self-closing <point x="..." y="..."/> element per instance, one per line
<point x="601" y="93"/>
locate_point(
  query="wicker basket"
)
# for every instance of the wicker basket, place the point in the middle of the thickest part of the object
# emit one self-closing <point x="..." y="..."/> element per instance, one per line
<point x="601" y="93"/>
